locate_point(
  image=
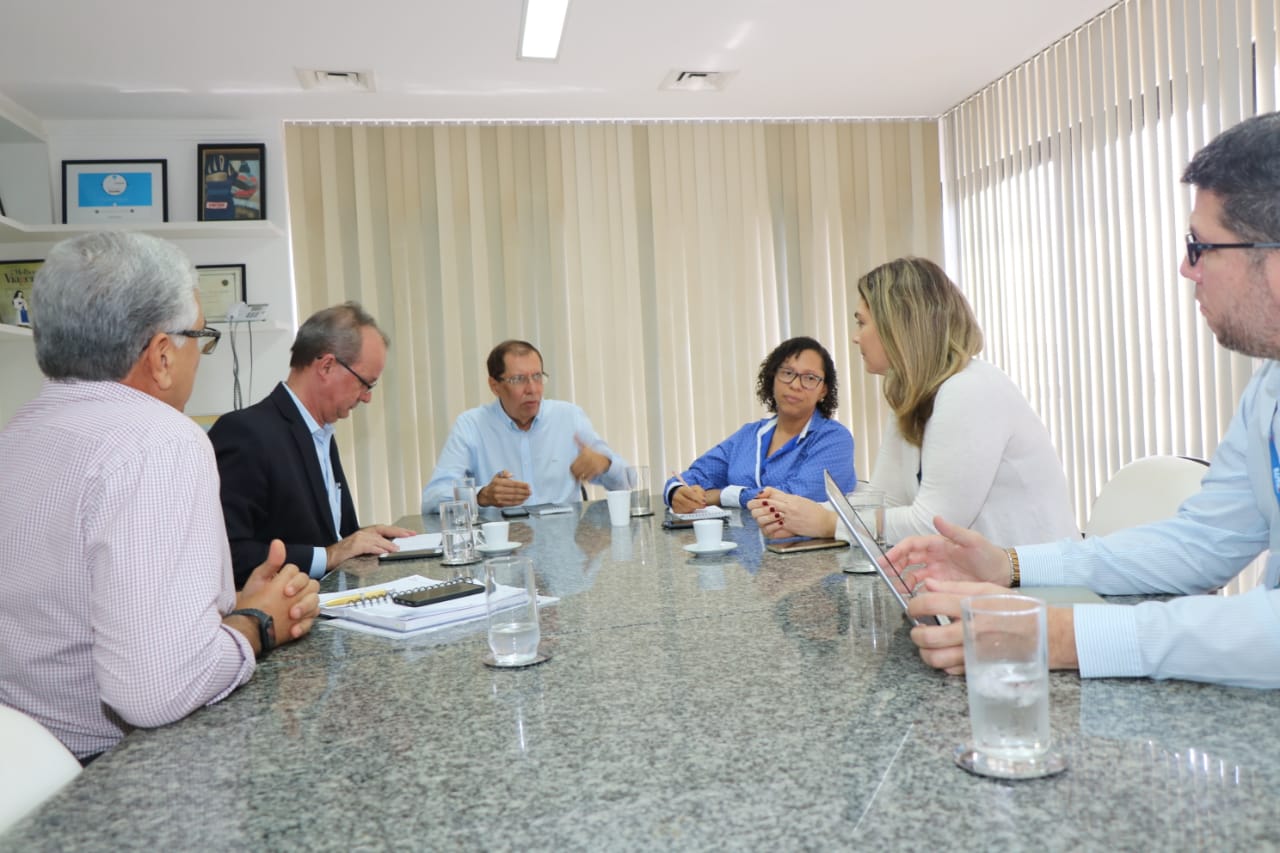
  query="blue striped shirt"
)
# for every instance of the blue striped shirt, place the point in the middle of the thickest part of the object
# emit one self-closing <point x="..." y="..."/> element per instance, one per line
<point x="1217" y="531"/>
<point x="740" y="467"/>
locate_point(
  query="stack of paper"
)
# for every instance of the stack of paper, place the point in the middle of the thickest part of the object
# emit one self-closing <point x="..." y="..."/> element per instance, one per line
<point x="416" y="547"/>
<point x="388" y="615"/>
<point x="705" y="512"/>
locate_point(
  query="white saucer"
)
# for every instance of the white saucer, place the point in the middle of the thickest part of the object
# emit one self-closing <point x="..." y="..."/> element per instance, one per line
<point x="498" y="549"/>
<point x="722" y="547"/>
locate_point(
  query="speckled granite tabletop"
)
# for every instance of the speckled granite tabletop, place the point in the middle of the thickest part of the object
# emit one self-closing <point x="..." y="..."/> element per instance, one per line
<point x="745" y="702"/>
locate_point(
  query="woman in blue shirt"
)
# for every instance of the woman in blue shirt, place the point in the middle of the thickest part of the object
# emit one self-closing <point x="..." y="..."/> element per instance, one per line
<point x="788" y="450"/>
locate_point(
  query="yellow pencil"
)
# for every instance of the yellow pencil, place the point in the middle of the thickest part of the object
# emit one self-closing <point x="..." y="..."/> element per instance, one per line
<point x="355" y="599"/>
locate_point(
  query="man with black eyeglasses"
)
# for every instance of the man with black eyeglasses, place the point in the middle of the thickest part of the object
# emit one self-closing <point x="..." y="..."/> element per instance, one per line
<point x="523" y="448"/>
<point x="281" y="475"/>
<point x="1233" y="258"/>
<point x="118" y="608"/>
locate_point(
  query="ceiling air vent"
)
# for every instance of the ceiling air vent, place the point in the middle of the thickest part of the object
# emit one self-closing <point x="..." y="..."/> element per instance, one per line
<point x="696" y="81"/>
<point x="336" y="81"/>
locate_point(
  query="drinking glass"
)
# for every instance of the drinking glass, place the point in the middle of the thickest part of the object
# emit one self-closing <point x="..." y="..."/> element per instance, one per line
<point x="638" y="482"/>
<point x="1006" y="663"/>
<point x="465" y="489"/>
<point x="869" y="507"/>
<point x="456" y="534"/>
<point x="511" y="602"/>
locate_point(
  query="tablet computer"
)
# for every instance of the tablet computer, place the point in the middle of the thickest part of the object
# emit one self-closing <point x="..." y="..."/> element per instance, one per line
<point x="793" y="546"/>
<point x="887" y="571"/>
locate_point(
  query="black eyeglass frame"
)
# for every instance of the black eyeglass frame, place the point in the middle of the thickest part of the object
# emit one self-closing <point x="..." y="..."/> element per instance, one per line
<point x="368" y="386"/>
<point x="803" y="377"/>
<point x="207" y="332"/>
<point x="1196" y="249"/>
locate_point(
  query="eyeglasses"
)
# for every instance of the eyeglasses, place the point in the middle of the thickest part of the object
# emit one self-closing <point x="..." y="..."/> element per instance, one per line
<point x="1195" y="248"/>
<point x="210" y="345"/>
<point x="368" y="386"/>
<point x="808" y="381"/>
<point x="518" y="381"/>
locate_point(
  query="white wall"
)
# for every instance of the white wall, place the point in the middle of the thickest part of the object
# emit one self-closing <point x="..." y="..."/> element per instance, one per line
<point x="268" y="265"/>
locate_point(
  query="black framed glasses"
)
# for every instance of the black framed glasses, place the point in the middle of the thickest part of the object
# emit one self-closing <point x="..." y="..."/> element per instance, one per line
<point x="808" y="381"/>
<point x="1195" y="248"/>
<point x="212" y="334"/>
<point x="525" y="379"/>
<point x="368" y="386"/>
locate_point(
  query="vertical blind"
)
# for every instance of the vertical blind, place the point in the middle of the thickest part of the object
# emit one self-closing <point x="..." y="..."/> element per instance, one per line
<point x="1061" y="185"/>
<point x="654" y="264"/>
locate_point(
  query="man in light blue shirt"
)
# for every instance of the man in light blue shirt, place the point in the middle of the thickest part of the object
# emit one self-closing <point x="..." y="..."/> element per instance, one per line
<point x="1233" y="257"/>
<point x="524" y="449"/>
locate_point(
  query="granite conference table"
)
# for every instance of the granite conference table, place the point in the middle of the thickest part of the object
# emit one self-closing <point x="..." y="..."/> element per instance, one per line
<point x="752" y="701"/>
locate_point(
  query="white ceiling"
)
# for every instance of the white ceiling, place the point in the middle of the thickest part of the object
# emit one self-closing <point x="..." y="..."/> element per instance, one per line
<point x="235" y="59"/>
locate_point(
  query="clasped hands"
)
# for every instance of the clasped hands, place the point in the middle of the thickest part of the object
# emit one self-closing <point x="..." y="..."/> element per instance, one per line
<point x="289" y="597"/>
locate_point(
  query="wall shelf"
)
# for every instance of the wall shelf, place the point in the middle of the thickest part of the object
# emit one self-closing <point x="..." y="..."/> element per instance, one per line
<point x="13" y="231"/>
<point x="14" y="333"/>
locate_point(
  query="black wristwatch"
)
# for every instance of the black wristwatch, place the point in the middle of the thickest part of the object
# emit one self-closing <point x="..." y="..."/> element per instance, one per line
<point x="266" y="629"/>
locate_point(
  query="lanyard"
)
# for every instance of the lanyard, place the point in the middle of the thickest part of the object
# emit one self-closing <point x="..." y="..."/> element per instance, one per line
<point x="1275" y="457"/>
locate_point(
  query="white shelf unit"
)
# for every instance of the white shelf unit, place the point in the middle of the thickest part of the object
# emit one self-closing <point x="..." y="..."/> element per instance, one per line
<point x="13" y="231"/>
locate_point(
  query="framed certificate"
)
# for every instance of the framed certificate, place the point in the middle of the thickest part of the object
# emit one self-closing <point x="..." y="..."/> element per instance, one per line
<point x="105" y="192"/>
<point x="221" y="287"/>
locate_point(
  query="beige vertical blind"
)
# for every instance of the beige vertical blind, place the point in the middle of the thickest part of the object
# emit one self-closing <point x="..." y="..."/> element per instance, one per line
<point x="654" y="264"/>
<point x="1062" y="188"/>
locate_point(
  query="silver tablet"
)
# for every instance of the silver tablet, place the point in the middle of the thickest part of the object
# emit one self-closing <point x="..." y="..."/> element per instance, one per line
<point x="874" y="553"/>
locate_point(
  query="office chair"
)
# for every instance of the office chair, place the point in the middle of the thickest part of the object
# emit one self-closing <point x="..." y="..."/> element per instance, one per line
<point x="1145" y="490"/>
<point x="35" y="766"/>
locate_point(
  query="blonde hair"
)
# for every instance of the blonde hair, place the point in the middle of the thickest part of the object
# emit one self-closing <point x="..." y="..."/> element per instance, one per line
<point x="928" y="332"/>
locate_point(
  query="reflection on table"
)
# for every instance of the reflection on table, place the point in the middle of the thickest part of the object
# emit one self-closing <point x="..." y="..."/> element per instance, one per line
<point x="751" y="700"/>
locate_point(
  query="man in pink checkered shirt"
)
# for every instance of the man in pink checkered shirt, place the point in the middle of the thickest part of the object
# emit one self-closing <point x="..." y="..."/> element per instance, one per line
<point x="119" y="608"/>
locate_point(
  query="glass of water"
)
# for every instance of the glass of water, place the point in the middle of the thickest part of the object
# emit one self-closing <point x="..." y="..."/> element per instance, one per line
<point x="1006" y="665"/>
<point x="465" y="489"/>
<point x="511" y="602"/>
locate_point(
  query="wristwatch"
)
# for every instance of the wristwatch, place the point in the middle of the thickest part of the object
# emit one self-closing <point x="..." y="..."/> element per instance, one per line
<point x="266" y="629"/>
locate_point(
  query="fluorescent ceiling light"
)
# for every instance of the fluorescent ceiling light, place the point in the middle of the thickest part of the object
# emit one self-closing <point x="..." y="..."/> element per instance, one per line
<point x="542" y="28"/>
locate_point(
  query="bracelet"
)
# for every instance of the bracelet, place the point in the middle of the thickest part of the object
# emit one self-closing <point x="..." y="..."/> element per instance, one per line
<point x="1015" y="572"/>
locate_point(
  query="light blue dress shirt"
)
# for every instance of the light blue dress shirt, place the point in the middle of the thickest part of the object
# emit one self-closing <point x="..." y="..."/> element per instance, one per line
<point x="740" y="466"/>
<point x="1216" y="533"/>
<point x="322" y="436"/>
<point x="485" y="441"/>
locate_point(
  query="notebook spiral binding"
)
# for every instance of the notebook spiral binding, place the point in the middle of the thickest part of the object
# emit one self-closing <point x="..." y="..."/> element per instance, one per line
<point x="382" y="596"/>
<point x="454" y="581"/>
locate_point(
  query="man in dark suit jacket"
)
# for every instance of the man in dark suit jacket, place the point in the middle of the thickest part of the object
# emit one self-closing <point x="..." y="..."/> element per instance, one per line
<point x="281" y="475"/>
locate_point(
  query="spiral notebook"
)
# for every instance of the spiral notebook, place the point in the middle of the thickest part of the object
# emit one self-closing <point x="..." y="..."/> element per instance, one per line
<point x="373" y="605"/>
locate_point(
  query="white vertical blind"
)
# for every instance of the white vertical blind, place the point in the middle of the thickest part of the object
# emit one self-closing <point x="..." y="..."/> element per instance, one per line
<point x="654" y="264"/>
<point x="1063" y="194"/>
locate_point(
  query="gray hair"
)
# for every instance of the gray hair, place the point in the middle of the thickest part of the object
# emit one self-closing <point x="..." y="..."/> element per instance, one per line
<point x="1242" y="165"/>
<point x="336" y="330"/>
<point x="99" y="298"/>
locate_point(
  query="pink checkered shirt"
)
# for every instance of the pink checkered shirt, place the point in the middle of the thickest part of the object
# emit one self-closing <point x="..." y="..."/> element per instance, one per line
<point x="114" y="566"/>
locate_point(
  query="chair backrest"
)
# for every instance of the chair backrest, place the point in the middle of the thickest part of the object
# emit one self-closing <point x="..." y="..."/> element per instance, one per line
<point x="1145" y="490"/>
<point x="34" y="765"/>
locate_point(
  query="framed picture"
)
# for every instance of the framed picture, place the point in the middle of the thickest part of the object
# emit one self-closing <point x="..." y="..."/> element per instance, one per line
<point x="233" y="182"/>
<point x="221" y="287"/>
<point x="17" y="278"/>
<point x="103" y="192"/>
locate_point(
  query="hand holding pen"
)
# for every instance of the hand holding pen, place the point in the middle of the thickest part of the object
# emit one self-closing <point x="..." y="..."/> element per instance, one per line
<point x="504" y="490"/>
<point x="687" y="498"/>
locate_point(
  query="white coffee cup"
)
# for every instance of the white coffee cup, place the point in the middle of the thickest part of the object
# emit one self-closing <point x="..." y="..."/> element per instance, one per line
<point x="708" y="531"/>
<point x="495" y="533"/>
<point x="620" y="507"/>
